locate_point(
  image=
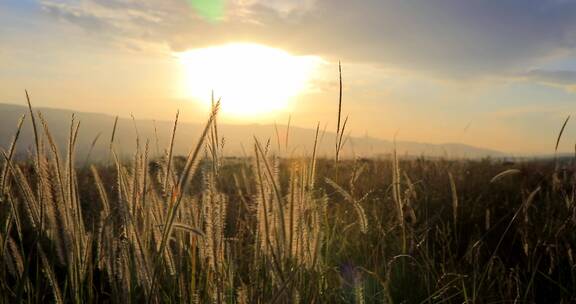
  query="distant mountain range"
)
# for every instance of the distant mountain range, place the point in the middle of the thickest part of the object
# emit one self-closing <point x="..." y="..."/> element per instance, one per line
<point x="238" y="139"/>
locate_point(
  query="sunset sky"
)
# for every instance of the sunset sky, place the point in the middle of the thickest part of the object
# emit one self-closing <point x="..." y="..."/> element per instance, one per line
<point x="498" y="74"/>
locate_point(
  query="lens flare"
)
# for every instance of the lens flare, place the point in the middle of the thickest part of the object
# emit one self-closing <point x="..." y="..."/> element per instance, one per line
<point x="211" y="10"/>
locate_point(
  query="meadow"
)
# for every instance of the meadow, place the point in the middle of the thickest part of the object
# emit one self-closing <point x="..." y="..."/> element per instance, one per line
<point x="263" y="229"/>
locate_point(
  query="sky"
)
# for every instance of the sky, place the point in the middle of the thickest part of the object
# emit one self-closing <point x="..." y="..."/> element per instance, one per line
<point x="497" y="74"/>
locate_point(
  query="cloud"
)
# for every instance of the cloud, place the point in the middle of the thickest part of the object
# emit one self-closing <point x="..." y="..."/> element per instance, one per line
<point x="81" y="18"/>
<point x="449" y="37"/>
<point x="564" y="78"/>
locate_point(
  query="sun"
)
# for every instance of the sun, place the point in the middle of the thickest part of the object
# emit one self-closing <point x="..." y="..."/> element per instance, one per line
<point x="250" y="79"/>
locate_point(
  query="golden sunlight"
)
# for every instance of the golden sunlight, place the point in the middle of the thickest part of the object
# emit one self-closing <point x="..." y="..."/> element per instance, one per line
<point x="251" y="79"/>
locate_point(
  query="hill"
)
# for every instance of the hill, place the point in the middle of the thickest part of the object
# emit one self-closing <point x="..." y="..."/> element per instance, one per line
<point x="238" y="138"/>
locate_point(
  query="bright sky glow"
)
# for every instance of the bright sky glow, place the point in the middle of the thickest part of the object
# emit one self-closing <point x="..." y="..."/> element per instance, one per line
<point x="493" y="74"/>
<point x="251" y="79"/>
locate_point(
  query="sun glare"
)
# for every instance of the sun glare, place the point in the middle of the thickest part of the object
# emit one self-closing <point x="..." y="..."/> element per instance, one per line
<point x="251" y="79"/>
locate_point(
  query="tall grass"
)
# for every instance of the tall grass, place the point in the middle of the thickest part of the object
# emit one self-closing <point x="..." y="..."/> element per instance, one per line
<point x="267" y="229"/>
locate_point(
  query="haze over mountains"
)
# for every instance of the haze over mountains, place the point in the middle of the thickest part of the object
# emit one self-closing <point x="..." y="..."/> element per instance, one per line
<point x="238" y="139"/>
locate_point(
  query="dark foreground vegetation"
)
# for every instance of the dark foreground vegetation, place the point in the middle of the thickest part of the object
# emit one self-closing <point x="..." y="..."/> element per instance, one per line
<point x="204" y="228"/>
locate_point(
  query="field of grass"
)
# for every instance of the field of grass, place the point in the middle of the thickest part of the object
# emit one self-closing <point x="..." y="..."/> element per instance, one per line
<point x="263" y="229"/>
